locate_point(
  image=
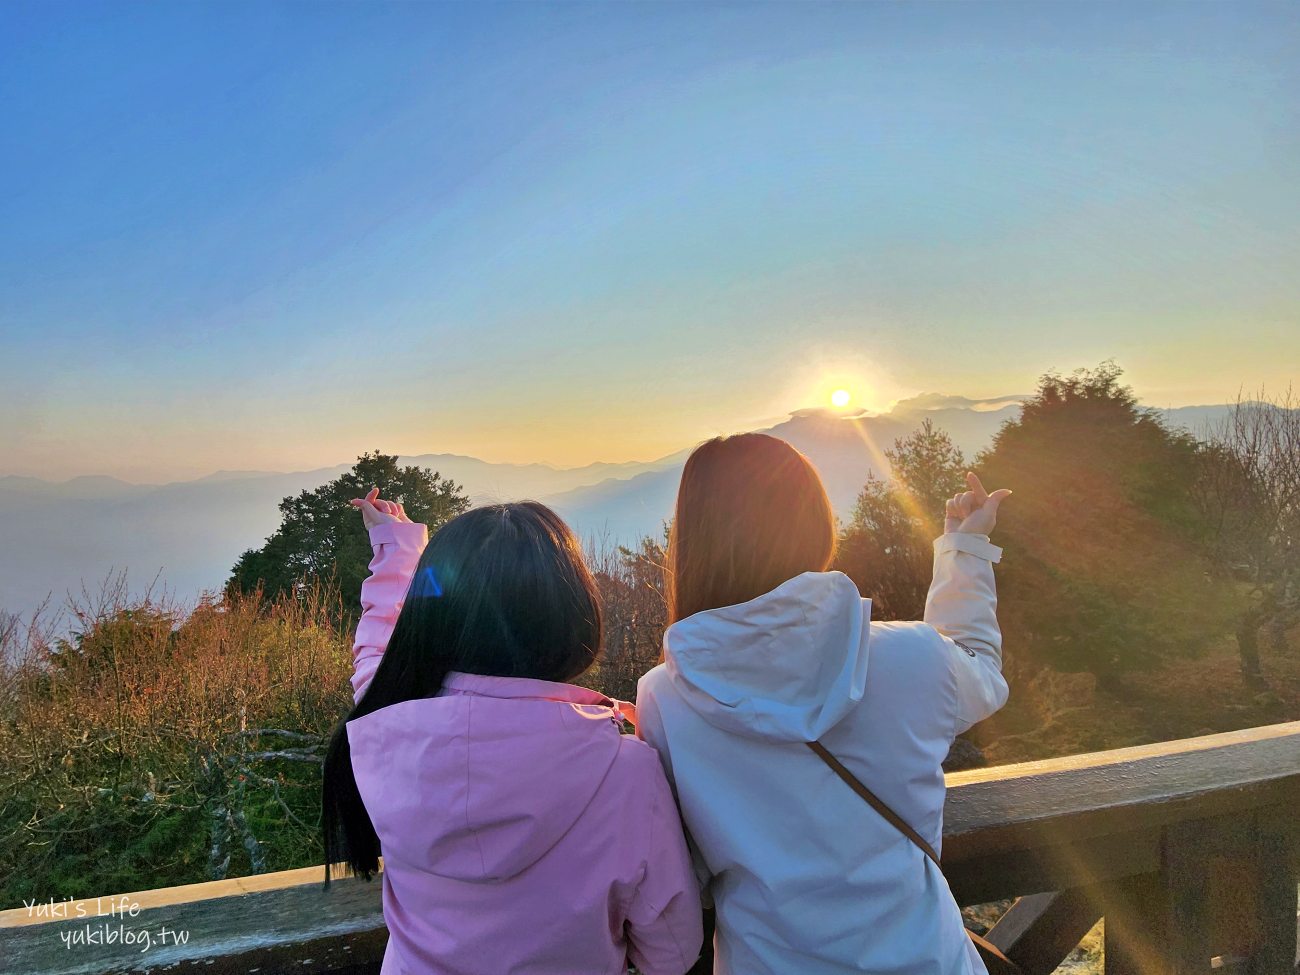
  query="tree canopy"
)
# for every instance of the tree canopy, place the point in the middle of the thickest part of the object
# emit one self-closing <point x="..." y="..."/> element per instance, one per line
<point x="321" y="537"/>
<point x="1106" y="567"/>
<point x="885" y="547"/>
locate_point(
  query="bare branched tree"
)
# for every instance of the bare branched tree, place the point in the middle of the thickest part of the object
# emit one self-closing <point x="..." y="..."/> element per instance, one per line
<point x="1249" y="490"/>
<point x="631" y="583"/>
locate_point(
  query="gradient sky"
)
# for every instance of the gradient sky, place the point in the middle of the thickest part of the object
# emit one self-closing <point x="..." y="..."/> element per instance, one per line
<point x="272" y="236"/>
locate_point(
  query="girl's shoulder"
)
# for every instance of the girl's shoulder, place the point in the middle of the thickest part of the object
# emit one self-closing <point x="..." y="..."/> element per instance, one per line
<point x="903" y="636"/>
<point x="652" y="682"/>
<point x="910" y="678"/>
<point x="636" y="757"/>
<point x="910" y="653"/>
<point x="636" y="778"/>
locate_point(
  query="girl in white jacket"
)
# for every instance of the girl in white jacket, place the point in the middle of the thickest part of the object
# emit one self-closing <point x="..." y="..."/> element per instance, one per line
<point x="768" y="651"/>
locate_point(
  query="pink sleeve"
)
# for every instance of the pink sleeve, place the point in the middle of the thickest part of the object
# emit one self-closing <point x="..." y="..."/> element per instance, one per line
<point x="397" y="547"/>
<point x="664" y="922"/>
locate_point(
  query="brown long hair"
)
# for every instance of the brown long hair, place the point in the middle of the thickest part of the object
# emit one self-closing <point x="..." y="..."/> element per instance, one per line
<point x="751" y="514"/>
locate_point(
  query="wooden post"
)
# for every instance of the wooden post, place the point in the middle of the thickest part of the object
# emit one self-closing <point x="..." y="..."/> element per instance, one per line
<point x="1157" y="924"/>
<point x="1136" y="922"/>
<point x="1275" y="860"/>
<point x="1041" y="929"/>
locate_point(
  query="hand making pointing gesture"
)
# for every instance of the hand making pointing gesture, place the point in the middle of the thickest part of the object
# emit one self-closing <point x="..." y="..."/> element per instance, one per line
<point x="376" y="511"/>
<point x="974" y="511"/>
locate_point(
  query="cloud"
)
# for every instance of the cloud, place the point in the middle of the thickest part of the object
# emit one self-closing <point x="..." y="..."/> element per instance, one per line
<point x="925" y="402"/>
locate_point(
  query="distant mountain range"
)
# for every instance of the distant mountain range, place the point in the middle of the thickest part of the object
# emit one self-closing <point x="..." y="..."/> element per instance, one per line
<point x="57" y="536"/>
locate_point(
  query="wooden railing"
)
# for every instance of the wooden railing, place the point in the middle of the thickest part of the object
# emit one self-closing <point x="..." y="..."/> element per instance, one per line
<point x="1187" y="848"/>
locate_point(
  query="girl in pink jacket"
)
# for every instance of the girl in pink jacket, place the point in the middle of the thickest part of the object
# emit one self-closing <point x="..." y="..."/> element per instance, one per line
<point x="520" y="831"/>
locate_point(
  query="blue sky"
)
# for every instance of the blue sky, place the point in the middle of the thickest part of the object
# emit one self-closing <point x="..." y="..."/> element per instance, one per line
<point x="272" y="236"/>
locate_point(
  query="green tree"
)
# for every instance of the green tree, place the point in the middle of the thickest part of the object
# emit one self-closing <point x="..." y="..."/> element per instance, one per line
<point x="1106" y="568"/>
<point x="321" y="537"/>
<point x="885" y="547"/>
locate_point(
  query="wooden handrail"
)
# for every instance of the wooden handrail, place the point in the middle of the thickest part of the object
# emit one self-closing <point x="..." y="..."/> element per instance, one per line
<point x="1126" y="833"/>
<point x="1016" y="828"/>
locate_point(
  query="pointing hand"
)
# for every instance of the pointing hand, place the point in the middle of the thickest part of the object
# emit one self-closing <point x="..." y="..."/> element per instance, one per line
<point x="376" y="511"/>
<point x="974" y="511"/>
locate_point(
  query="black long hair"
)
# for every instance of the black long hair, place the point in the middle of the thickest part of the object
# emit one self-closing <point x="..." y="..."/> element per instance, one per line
<point x="501" y="591"/>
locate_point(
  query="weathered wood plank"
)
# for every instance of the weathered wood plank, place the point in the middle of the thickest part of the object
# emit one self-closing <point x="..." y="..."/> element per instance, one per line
<point x="1057" y="866"/>
<point x="1096" y="821"/>
<point x="1032" y="804"/>
<point x="273" y="922"/>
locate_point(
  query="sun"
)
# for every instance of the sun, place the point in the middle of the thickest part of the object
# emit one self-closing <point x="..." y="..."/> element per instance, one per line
<point x="840" y="398"/>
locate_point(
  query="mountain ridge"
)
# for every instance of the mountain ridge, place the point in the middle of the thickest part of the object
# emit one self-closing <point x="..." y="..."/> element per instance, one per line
<point x="57" y="535"/>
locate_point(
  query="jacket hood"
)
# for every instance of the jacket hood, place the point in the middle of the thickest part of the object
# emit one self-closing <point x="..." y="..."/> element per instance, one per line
<point x="787" y="666"/>
<point x="480" y="783"/>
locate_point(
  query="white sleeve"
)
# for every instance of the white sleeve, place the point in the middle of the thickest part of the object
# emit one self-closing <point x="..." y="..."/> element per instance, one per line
<point x="962" y="606"/>
<point x="649" y="728"/>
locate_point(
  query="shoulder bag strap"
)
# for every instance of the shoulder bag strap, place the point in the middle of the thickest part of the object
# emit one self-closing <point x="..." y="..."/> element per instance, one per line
<point x="993" y="958"/>
<point x="874" y="801"/>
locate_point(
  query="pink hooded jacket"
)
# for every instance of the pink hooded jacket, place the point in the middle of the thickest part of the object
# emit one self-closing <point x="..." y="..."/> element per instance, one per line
<point x="521" y="832"/>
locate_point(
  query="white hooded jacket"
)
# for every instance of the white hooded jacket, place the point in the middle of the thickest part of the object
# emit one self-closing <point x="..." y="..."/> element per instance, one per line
<point x="806" y="877"/>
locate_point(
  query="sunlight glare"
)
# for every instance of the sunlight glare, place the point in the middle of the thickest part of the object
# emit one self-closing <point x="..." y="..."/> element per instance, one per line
<point x="840" y="398"/>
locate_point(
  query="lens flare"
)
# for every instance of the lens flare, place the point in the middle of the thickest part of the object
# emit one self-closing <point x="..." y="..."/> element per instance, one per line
<point x="426" y="584"/>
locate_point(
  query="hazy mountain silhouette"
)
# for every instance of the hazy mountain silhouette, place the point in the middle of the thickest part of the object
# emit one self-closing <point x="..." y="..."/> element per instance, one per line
<point x="845" y="449"/>
<point x="54" y="535"/>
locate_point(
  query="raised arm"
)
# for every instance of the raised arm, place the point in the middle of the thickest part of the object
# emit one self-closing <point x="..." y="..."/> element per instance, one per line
<point x="397" y="543"/>
<point x="962" y="603"/>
